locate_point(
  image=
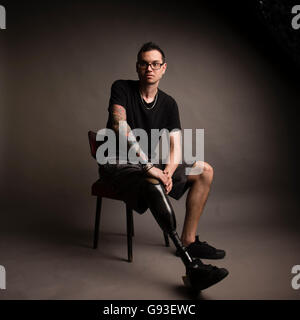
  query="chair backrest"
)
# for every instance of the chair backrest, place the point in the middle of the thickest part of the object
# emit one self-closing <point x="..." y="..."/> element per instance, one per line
<point x="94" y="144"/>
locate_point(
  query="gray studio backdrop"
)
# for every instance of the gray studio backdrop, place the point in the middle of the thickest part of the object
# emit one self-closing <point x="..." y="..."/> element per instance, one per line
<point x="57" y="64"/>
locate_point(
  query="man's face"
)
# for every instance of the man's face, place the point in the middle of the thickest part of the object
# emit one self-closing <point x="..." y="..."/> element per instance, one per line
<point x="148" y="74"/>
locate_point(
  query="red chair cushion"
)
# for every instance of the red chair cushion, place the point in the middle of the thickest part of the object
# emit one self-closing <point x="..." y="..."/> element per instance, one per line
<point x="103" y="189"/>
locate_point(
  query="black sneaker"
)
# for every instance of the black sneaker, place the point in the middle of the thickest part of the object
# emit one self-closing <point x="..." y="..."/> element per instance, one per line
<point x="203" y="250"/>
<point x="202" y="276"/>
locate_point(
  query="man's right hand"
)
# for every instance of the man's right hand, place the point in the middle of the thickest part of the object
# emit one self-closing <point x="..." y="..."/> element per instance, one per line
<point x="160" y="175"/>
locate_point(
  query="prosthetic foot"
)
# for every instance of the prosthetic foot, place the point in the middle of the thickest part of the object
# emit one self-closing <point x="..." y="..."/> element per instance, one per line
<point x="198" y="276"/>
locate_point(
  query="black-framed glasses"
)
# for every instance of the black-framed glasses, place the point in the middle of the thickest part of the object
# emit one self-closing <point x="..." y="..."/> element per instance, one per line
<point x="154" y="65"/>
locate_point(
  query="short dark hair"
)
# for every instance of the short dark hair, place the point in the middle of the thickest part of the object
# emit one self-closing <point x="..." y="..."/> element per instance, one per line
<point x="151" y="46"/>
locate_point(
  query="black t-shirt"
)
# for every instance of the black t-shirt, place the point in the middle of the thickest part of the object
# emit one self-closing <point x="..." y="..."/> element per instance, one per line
<point x="164" y="115"/>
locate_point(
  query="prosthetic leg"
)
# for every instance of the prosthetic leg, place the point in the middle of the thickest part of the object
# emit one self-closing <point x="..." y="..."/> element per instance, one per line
<point x="198" y="275"/>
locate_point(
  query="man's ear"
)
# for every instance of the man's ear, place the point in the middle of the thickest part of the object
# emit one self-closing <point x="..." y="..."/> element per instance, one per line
<point x="136" y="66"/>
<point x="165" y="67"/>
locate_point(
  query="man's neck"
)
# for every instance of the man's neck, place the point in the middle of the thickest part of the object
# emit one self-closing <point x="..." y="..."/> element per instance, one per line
<point x="148" y="91"/>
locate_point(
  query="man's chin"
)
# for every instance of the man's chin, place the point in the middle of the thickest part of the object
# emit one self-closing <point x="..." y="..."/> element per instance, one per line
<point x="150" y="81"/>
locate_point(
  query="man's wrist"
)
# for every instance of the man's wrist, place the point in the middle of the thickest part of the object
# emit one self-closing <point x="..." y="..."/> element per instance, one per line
<point x="171" y="169"/>
<point x="147" y="166"/>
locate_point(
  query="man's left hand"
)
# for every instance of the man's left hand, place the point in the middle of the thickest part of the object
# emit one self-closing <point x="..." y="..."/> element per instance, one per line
<point x="169" y="186"/>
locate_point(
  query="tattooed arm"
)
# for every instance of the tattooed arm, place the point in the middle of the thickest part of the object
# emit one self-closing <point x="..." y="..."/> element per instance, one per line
<point x="118" y="116"/>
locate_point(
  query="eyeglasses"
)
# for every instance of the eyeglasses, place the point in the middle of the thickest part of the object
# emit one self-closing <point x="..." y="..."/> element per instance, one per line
<point x="153" y="65"/>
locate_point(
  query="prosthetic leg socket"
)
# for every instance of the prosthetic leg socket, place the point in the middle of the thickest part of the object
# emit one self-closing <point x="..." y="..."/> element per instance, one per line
<point x="161" y="208"/>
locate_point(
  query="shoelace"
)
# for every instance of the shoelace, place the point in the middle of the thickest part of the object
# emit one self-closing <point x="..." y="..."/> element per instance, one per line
<point x="204" y="243"/>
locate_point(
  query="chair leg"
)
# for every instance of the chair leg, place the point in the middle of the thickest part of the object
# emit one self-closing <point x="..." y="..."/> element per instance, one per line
<point x="97" y="222"/>
<point x="132" y="225"/>
<point x="166" y="239"/>
<point x="129" y="217"/>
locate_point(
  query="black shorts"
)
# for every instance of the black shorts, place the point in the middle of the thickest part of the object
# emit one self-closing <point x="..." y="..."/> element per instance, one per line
<point x="127" y="179"/>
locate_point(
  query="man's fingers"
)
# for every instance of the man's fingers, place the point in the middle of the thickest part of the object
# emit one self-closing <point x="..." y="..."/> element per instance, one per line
<point x="166" y="173"/>
<point x="168" y="189"/>
<point x="164" y="180"/>
<point x="168" y="182"/>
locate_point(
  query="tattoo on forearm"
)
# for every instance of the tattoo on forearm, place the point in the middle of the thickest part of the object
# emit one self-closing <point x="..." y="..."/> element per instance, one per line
<point x="118" y="114"/>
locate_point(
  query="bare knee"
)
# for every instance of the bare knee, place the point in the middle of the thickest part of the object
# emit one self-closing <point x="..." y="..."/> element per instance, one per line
<point x="205" y="169"/>
<point x="208" y="169"/>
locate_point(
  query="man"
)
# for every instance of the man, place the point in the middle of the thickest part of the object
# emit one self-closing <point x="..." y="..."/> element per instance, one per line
<point x="141" y="104"/>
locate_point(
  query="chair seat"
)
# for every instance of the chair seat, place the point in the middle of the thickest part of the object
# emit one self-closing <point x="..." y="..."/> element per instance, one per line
<point x="103" y="189"/>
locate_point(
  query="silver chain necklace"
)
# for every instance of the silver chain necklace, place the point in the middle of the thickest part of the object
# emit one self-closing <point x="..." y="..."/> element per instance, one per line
<point x="156" y="96"/>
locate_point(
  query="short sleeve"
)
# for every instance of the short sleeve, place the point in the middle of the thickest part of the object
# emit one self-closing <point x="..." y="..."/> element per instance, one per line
<point x="174" y="118"/>
<point x="118" y="94"/>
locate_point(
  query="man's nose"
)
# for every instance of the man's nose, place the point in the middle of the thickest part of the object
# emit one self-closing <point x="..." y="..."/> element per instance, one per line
<point x="149" y="66"/>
